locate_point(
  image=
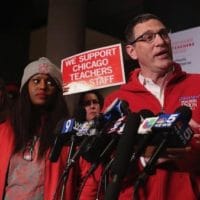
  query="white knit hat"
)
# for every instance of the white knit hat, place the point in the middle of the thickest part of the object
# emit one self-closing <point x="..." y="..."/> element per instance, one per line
<point x="42" y="66"/>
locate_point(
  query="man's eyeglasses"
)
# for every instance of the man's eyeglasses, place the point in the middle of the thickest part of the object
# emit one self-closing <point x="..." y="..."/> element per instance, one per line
<point x="150" y="36"/>
<point x="89" y="102"/>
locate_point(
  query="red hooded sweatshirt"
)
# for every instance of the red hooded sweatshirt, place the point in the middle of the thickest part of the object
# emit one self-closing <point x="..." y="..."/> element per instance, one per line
<point x="53" y="170"/>
<point x="183" y="180"/>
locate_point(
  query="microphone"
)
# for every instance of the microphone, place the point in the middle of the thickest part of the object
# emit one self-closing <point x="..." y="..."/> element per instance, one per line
<point x="117" y="109"/>
<point x="103" y="144"/>
<point x="174" y="131"/>
<point x="123" y="153"/>
<point x="118" y="129"/>
<point x="58" y="142"/>
<point x="66" y="131"/>
<point x="105" y="122"/>
<point x="144" y="133"/>
<point x="68" y="128"/>
<point x="175" y="126"/>
<point x="100" y="149"/>
<point x="108" y="122"/>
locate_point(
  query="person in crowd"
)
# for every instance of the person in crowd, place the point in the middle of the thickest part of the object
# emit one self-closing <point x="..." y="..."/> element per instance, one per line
<point x="27" y="138"/>
<point x="12" y="90"/>
<point x="89" y="105"/>
<point x="87" y="109"/>
<point x="161" y="86"/>
<point x="4" y="108"/>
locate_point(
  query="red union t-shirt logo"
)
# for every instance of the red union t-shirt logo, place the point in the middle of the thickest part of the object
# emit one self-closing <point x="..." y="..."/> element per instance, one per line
<point x="44" y="68"/>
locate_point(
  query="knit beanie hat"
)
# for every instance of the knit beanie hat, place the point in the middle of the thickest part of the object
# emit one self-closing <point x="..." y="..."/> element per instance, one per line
<point x="41" y="66"/>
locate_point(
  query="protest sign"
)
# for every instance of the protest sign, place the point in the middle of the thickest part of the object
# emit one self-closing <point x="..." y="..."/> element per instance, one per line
<point x="93" y="69"/>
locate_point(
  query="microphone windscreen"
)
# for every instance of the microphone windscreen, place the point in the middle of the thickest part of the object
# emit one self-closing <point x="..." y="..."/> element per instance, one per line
<point x="56" y="149"/>
<point x="185" y="112"/>
<point x="58" y="141"/>
<point x="125" y="107"/>
<point x="59" y="126"/>
<point x="125" y="145"/>
<point x="145" y="113"/>
<point x="95" y="146"/>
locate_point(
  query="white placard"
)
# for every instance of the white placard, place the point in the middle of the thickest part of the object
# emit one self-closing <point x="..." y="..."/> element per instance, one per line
<point x="186" y="49"/>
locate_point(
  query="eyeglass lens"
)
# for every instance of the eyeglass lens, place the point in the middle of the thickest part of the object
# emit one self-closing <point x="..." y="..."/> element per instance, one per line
<point x="89" y="102"/>
<point x="149" y="36"/>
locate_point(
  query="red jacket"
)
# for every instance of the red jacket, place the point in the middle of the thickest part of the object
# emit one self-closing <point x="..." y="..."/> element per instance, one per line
<point x="53" y="171"/>
<point x="182" y="89"/>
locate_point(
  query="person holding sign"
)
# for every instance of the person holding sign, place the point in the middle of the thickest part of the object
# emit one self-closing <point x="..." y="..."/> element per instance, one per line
<point x="160" y="85"/>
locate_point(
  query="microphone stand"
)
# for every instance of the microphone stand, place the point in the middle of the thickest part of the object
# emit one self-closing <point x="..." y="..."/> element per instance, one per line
<point x="150" y="166"/>
<point x="64" y="176"/>
<point x="101" y="158"/>
<point x="104" y="177"/>
<point x="66" y="172"/>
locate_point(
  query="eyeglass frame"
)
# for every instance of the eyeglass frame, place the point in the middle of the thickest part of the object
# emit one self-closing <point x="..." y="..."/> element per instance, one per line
<point x="90" y="102"/>
<point x="163" y="33"/>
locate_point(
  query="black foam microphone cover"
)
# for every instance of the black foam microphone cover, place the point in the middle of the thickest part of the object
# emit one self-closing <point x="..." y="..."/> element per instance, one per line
<point x="185" y="111"/>
<point x="125" y="145"/>
<point x="124" y="152"/>
<point x="145" y="113"/>
<point x="58" y="142"/>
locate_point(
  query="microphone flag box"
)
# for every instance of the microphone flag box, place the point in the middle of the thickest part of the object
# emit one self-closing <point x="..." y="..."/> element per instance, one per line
<point x="175" y="127"/>
<point x="68" y="126"/>
<point x="166" y="120"/>
<point x="146" y="125"/>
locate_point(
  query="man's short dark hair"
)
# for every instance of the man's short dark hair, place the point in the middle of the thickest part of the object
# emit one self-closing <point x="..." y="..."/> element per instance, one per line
<point x="129" y="34"/>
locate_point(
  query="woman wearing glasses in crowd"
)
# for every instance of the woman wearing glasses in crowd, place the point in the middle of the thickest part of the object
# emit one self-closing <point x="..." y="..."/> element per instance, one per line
<point x="26" y="171"/>
<point x="89" y="105"/>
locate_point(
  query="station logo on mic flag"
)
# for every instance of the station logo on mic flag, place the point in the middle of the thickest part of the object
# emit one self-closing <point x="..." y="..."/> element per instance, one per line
<point x="147" y="124"/>
<point x="68" y="126"/>
<point x="166" y="120"/>
<point x="177" y="128"/>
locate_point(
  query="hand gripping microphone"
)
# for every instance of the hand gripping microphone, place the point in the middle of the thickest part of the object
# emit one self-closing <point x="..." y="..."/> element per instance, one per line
<point x="123" y="154"/>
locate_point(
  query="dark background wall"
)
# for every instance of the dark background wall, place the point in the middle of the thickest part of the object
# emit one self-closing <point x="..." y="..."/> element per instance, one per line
<point x="24" y="26"/>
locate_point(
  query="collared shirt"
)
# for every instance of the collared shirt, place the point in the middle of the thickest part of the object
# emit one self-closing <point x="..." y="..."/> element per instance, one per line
<point x="155" y="89"/>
